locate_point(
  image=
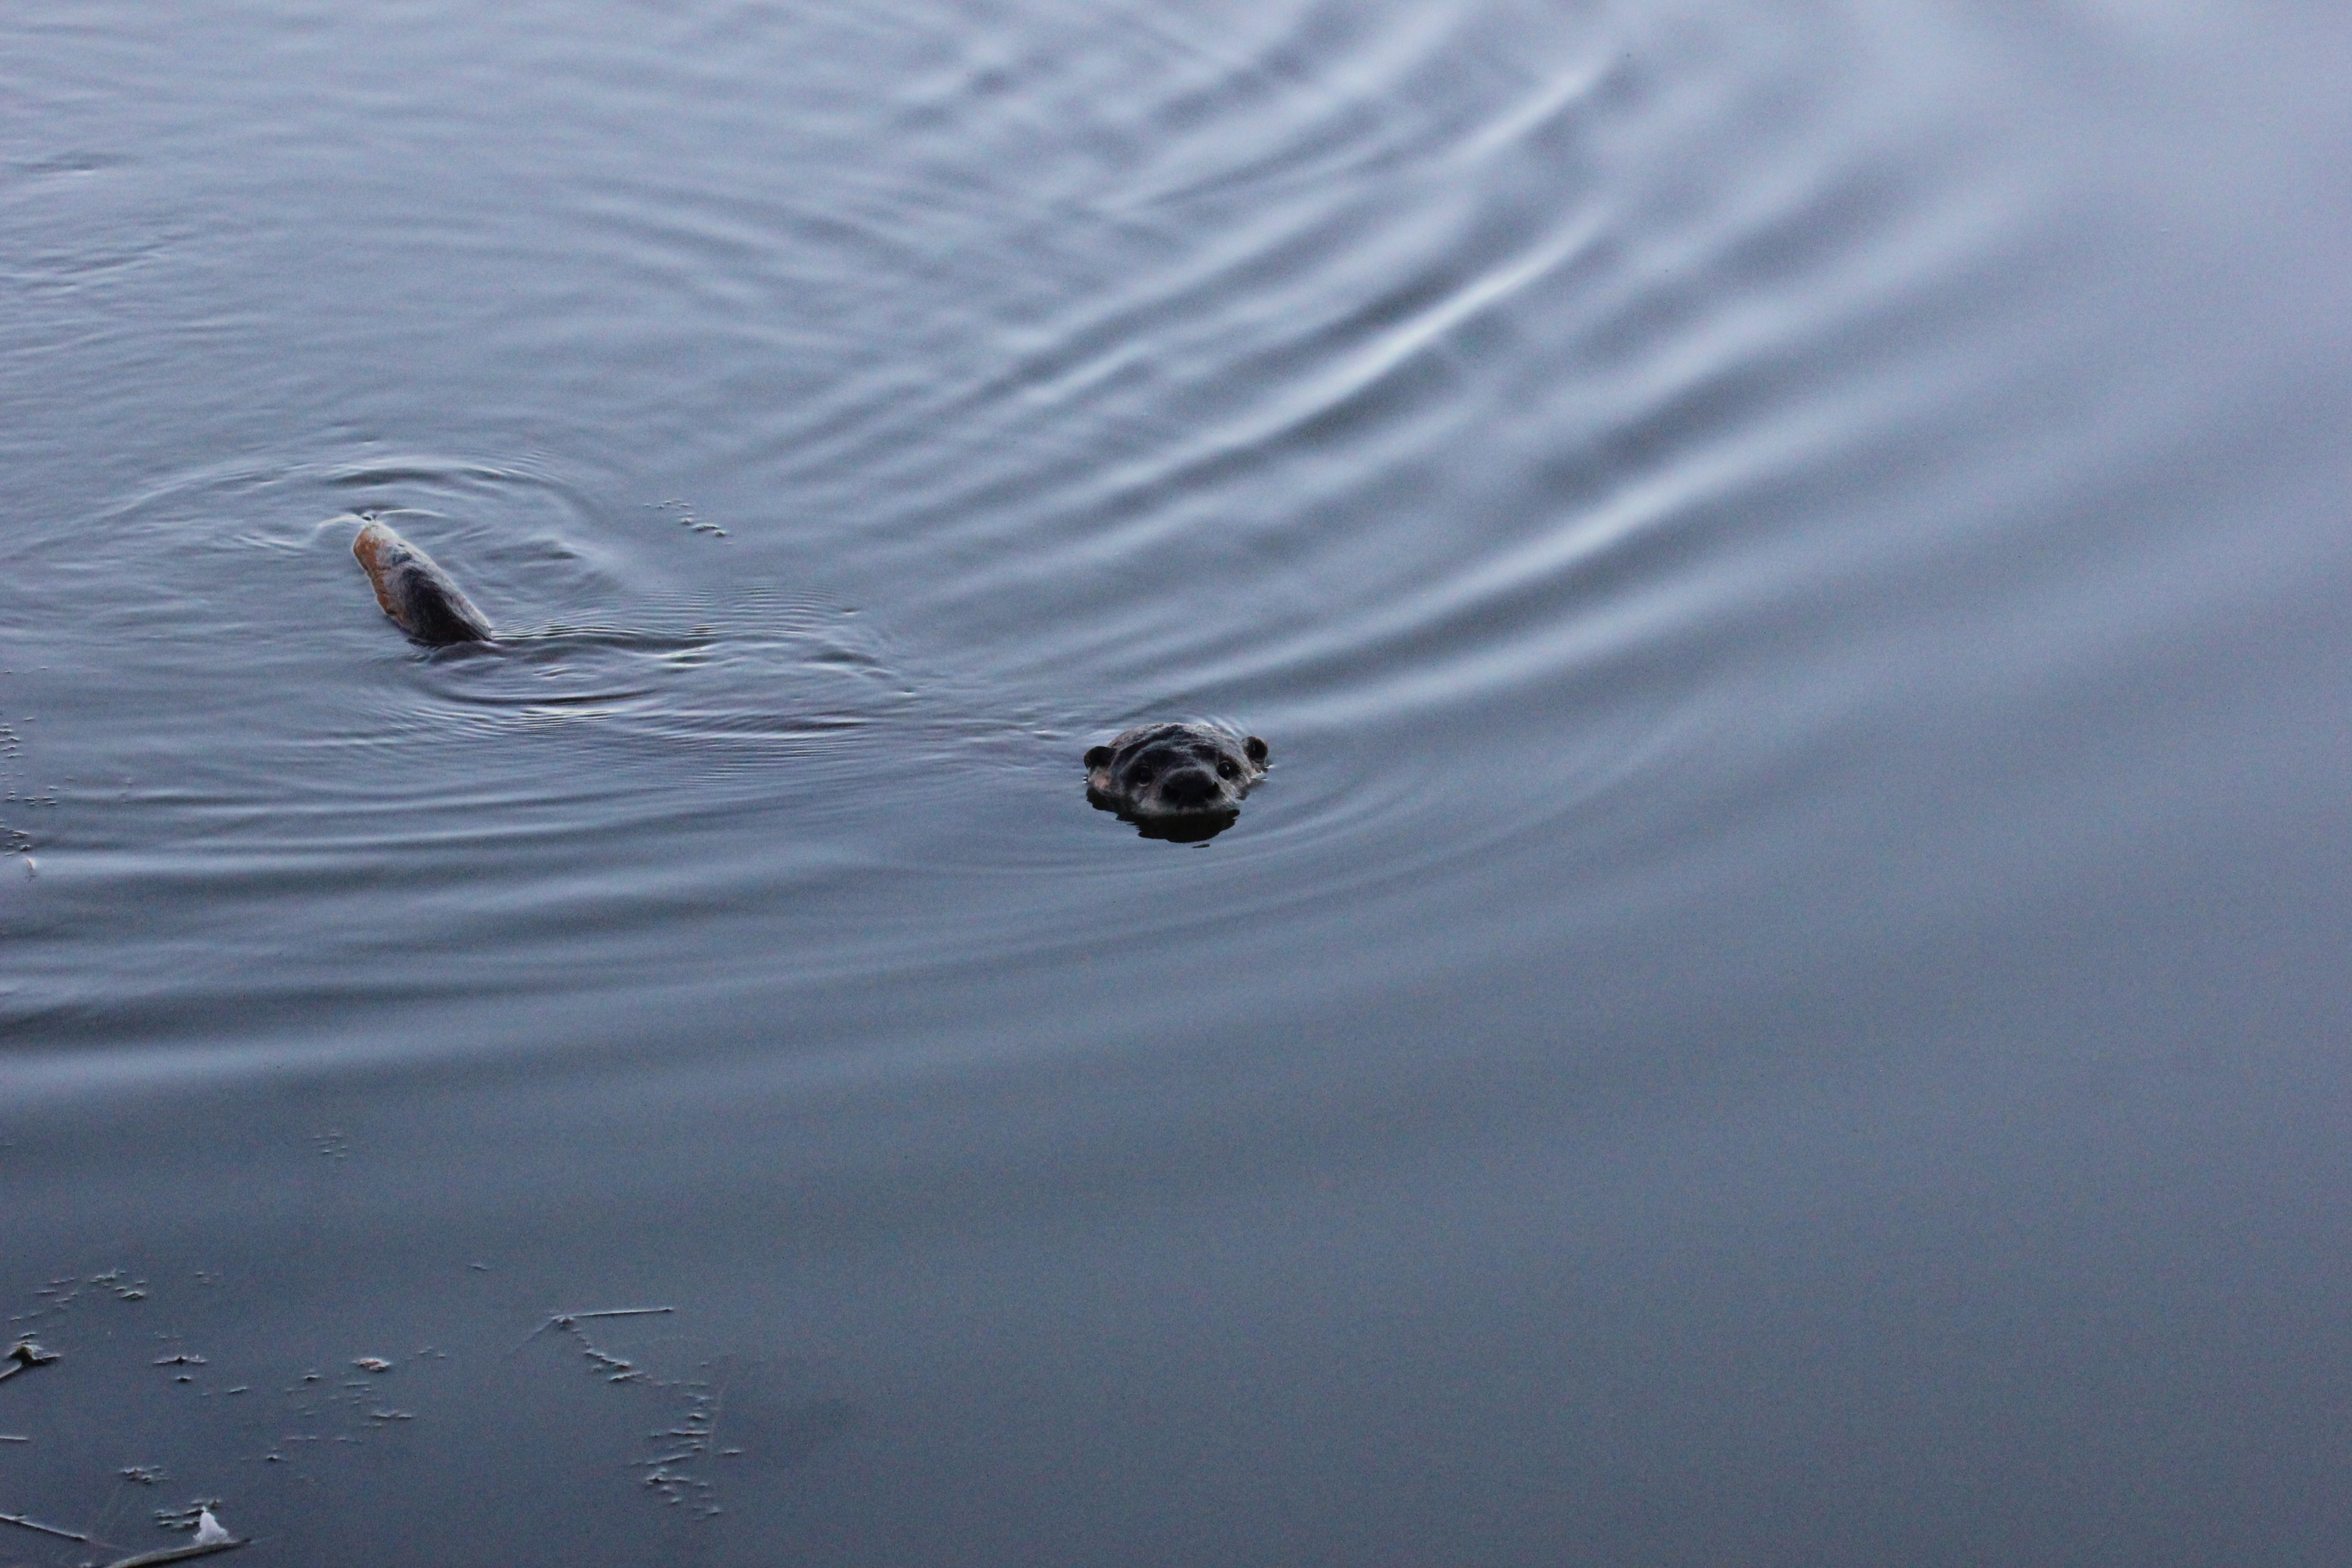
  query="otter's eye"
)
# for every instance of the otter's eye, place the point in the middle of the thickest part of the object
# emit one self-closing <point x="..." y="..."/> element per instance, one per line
<point x="1225" y="768"/>
<point x="1143" y="776"/>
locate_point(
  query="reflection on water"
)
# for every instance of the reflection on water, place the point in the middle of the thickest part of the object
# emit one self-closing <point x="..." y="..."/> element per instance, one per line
<point x="1187" y="828"/>
<point x="1779" y="1010"/>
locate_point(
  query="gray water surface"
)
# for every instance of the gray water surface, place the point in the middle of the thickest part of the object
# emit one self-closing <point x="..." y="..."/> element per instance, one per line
<point x="1783" y="1001"/>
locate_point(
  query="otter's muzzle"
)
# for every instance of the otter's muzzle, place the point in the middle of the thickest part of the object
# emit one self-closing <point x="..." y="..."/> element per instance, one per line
<point x="1190" y="789"/>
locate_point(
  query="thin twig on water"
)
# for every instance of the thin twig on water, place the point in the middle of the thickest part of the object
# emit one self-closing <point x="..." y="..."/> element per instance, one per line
<point x="21" y="1523"/>
<point x="566" y="1322"/>
<point x="179" y="1553"/>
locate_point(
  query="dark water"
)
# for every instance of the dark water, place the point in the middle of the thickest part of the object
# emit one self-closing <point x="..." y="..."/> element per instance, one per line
<point x="1784" y="1000"/>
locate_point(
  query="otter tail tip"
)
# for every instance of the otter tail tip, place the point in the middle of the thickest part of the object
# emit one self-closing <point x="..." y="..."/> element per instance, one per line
<point x="370" y="540"/>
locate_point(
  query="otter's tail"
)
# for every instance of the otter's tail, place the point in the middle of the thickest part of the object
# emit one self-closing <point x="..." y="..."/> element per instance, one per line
<point x="415" y="592"/>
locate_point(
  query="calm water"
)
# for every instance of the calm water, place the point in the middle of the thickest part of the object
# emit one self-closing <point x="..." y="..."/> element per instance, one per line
<point x="1784" y="1002"/>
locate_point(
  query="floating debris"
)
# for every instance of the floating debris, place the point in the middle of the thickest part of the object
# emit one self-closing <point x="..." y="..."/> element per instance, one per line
<point x="682" y="1445"/>
<point x="568" y="1320"/>
<point x="177" y="1553"/>
<point x="616" y="1369"/>
<point x="21" y="1523"/>
<point x="60" y="1294"/>
<point x="124" y="1288"/>
<point x="685" y="517"/>
<point x="197" y="1516"/>
<point x="210" y="1538"/>
<point x="22" y="1356"/>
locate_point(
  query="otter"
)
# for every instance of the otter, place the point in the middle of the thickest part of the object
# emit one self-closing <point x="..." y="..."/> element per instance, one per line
<point x="415" y="592"/>
<point x="1183" y="782"/>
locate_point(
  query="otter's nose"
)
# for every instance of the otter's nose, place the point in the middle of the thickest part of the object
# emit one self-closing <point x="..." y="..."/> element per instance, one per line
<point x="1189" y="789"/>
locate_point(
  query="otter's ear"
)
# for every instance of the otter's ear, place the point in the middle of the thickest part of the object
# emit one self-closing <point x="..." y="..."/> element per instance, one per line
<point x="1255" y="749"/>
<point x="1097" y="756"/>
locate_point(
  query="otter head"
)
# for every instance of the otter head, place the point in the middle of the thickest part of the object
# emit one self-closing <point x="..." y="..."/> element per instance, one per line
<point x="1175" y="781"/>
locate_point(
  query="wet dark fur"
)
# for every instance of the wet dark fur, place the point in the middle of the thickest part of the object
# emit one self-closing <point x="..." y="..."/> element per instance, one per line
<point x="419" y="596"/>
<point x="1175" y="776"/>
